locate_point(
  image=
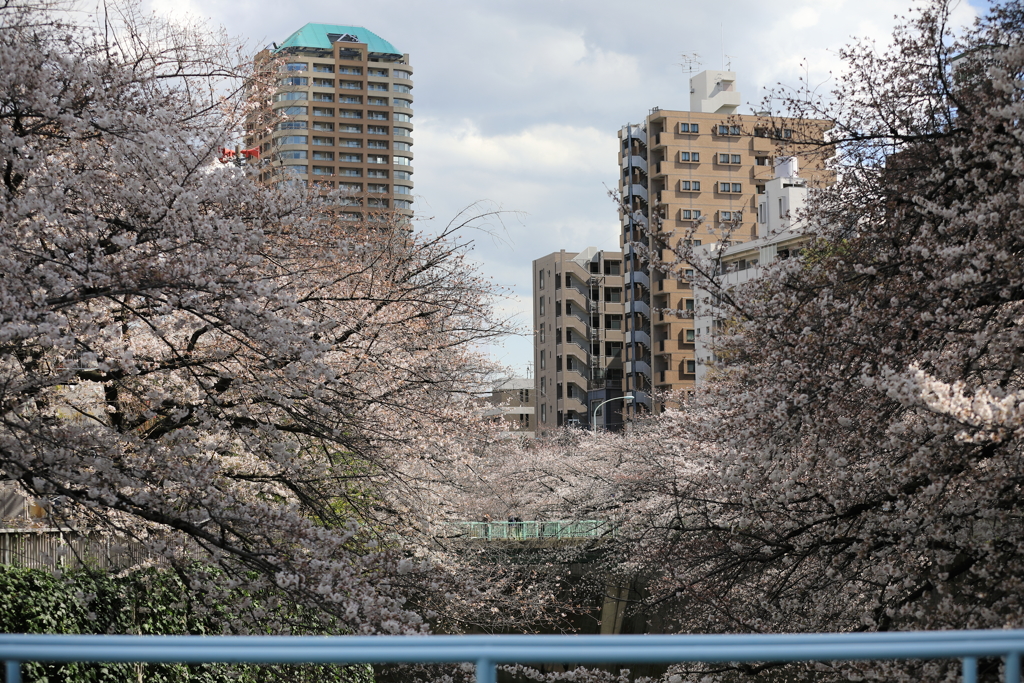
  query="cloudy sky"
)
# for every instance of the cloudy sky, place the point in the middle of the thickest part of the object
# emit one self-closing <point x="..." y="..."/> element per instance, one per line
<point x="518" y="103"/>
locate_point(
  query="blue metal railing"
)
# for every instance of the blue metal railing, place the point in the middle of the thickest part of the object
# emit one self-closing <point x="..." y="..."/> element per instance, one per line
<point x="489" y="651"/>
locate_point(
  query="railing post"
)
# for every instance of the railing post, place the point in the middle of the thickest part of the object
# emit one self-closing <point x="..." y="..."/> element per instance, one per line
<point x="13" y="671"/>
<point x="970" y="670"/>
<point x="485" y="671"/>
<point x="1013" y="667"/>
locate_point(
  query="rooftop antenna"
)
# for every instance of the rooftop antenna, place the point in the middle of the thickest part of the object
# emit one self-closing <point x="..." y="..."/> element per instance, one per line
<point x="728" y="63"/>
<point x="690" y="62"/>
<point x="722" y="28"/>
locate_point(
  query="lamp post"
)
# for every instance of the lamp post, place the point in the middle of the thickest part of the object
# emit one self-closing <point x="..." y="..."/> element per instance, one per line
<point x="619" y="398"/>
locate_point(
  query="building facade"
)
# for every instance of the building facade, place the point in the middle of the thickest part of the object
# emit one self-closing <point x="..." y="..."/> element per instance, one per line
<point x="692" y="175"/>
<point x="511" y="402"/>
<point x="342" y="106"/>
<point x="781" y="233"/>
<point x="578" y="322"/>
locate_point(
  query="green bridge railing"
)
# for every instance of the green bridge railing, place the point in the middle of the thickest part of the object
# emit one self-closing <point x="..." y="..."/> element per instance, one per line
<point x="521" y="531"/>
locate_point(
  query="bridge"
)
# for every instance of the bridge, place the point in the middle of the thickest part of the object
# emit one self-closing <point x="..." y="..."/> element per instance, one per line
<point x="528" y="531"/>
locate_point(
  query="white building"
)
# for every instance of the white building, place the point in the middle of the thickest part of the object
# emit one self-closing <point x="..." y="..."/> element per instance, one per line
<point x="781" y="232"/>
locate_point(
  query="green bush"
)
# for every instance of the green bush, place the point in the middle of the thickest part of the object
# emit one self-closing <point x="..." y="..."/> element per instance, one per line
<point x="149" y="602"/>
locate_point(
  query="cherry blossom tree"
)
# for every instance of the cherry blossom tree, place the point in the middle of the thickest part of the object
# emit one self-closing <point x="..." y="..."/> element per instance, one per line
<point x="214" y="367"/>
<point x="857" y="463"/>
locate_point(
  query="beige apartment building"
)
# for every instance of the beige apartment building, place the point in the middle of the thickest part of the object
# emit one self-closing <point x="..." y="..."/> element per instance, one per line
<point x="689" y="175"/>
<point x="578" y="322"/>
<point x="511" y="403"/>
<point x="343" y="104"/>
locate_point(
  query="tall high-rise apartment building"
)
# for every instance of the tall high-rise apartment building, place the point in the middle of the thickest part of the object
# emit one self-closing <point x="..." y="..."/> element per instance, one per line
<point x="687" y="175"/>
<point x="578" y="314"/>
<point x="344" y="99"/>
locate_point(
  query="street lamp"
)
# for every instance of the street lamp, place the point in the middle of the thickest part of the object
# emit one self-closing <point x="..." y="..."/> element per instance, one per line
<point x="619" y="398"/>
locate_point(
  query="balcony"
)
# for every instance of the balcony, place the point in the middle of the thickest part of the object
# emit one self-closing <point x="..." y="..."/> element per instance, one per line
<point x="639" y="337"/>
<point x="637" y="366"/>
<point x="640" y="307"/>
<point x="638" y="277"/>
<point x="635" y="161"/>
<point x="638" y="190"/>
<point x="635" y="132"/>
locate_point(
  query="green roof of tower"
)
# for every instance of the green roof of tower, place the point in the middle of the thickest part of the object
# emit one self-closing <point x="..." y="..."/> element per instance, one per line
<point x="318" y="36"/>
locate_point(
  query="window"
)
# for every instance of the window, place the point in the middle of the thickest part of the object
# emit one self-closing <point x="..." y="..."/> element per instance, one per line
<point x="403" y="146"/>
<point x="350" y="216"/>
<point x="689" y="185"/>
<point x="691" y="367"/>
<point x="379" y="101"/>
<point x="323" y="170"/>
<point x="725" y="215"/>
<point x="693" y="243"/>
<point x="404" y="132"/>
<point x="291" y="125"/>
<point x="405" y="118"/>
<point x="540" y="281"/>
<point x="689" y="273"/>
<point x="323" y="111"/>
<point x="787" y="133"/>
<point x="295" y="66"/>
<point x="524" y="419"/>
<point x="350" y="187"/>
<point x="377" y="144"/>
<point x="383" y="73"/>
<point x="612" y="267"/>
<point x="734" y="130"/>
<point x="403" y="161"/>
<point x="737" y="187"/>
<point x="291" y="140"/>
<point x="399" y="73"/>
<point x="540" y="306"/>
<point x="689" y="214"/>
<point x="323" y="97"/>
<point x="324" y="68"/>
<point x="401" y="175"/>
<point x="689" y="156"/>
<point x="351" y="70"/>
<point x="723" y="130"/>
<point x="613" y="294"/>
<point x="377" y="116"/>
<point x="350" y="114"/>
<point x="294" y="80"/>
<point x="401" y="204"/>
<point x="403" y="103"/>
<point x="286" y="96"/>
<point x="762" y="161"/>
<point x="730" y="187"/>
<point x="723" y="158"/>
<point x="689" y="336"/>
<point x="688" y="128"/>
<point x="383" y="87"/>
<point x="612" y="349"/>
<point x="350" y="158"/>
<point x="323" y="82"/>
<point x="349" y="128"/>
<point x="543" y="406"/>
<point x="403" y="189"/>
<point x="351" y="172"/>
<point x="613" y="322"/>
<point x="291" y="154"/>
<point x="295" y="170"/>
<point x="374" y="187"/>
<point x="735" y="159"/>
<point x="376" y="159"/>
<point x="379" y="203"/>
<point x="350" y="143"/>
<point x="348" y="99"/>
<point x="350" y="85"/>
<point x="689" y="305"/>
<point x="377" y="130"/>
<point x="375" y="173"/>
<point x="323" y="125"/>
<point x="323" y="156"/>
